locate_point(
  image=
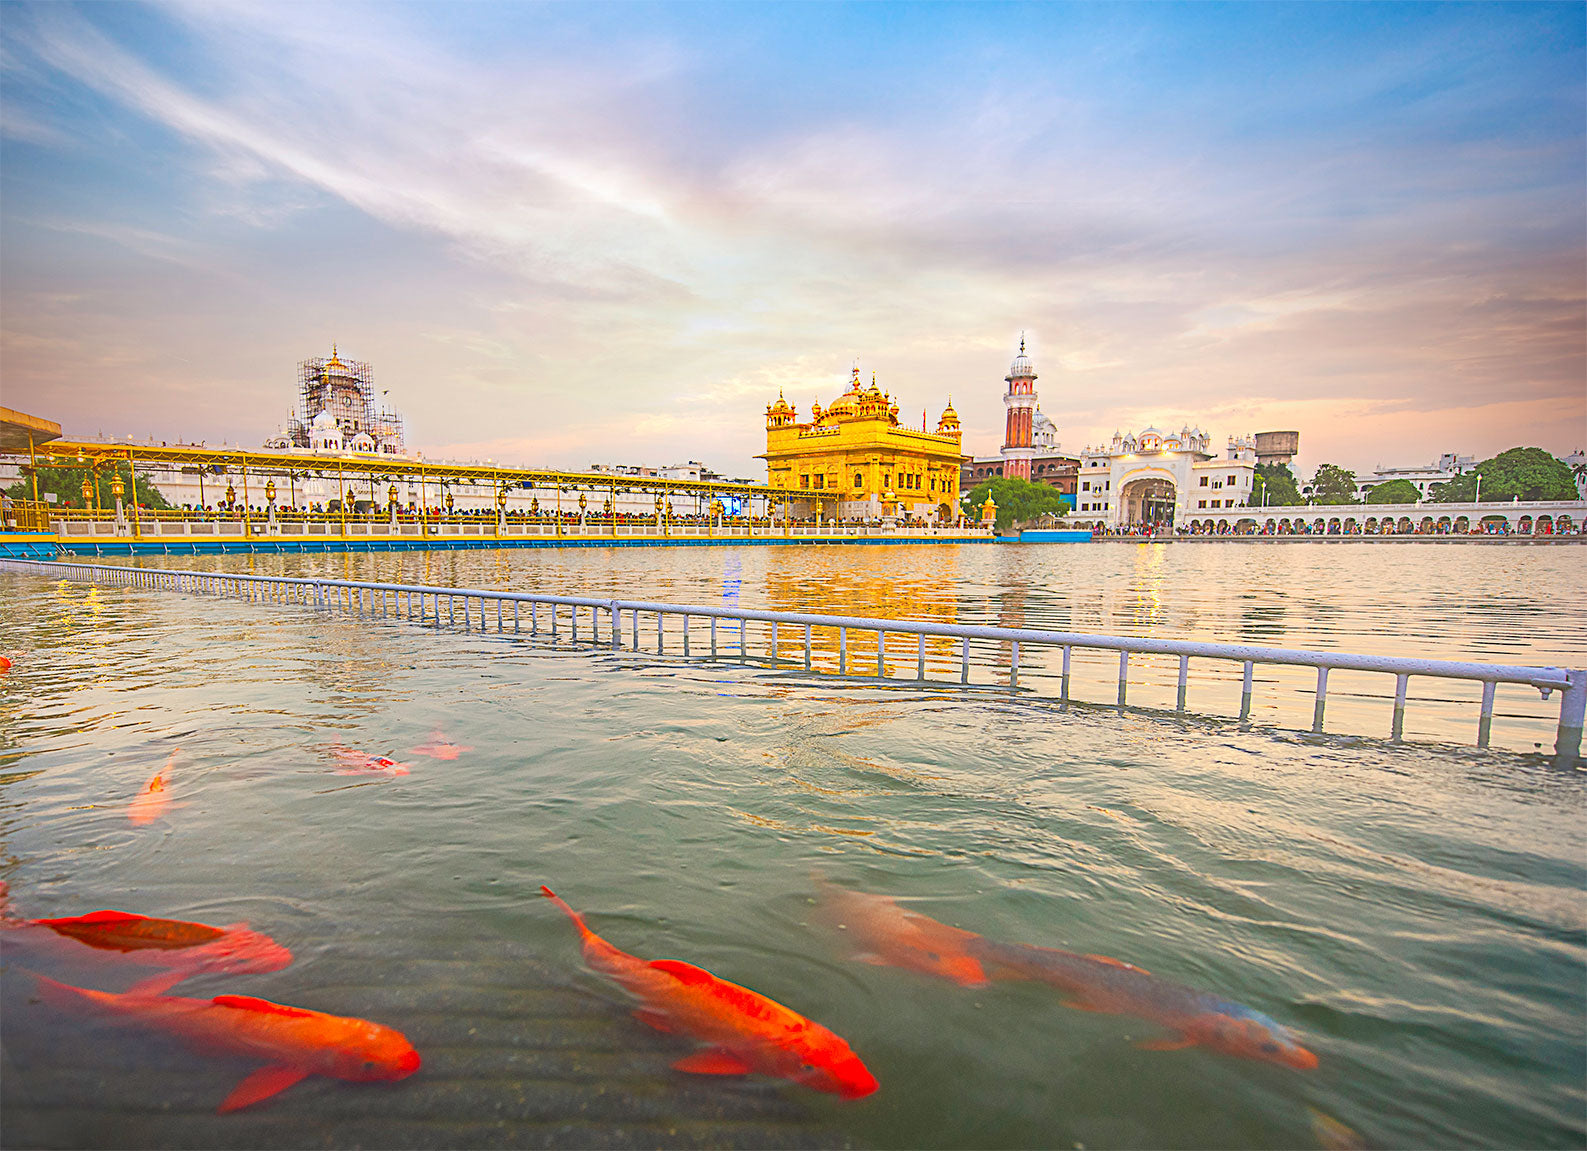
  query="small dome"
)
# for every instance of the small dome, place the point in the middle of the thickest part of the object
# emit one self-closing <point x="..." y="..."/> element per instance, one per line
<point x="1021" y="368"/>
<point x="324" y="422"/>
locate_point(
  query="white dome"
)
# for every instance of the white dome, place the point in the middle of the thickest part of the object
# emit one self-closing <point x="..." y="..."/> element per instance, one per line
<point x="324" y="422"/>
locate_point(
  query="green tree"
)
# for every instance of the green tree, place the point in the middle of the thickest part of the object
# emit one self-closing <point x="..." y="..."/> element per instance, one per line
<point x="1016" y="499"/>
<point x="66" y="484"/>
<point x="1333" y="485"/>
<point x="1394" y="492"/>
<point x="1520" y="473"/>
<point x="1278" y="483"/>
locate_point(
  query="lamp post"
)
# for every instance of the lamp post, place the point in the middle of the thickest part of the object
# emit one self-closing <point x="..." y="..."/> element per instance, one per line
<point x="117" y="489"/>
<point x="583" y="504"/>
<point x="658" y="512"/>
<point x="231" y="498"/>
<point x="271" y="527"/>
<point x="88" y="492"/>
<point x="501" y="509"/>
<point x="391" y="499"/>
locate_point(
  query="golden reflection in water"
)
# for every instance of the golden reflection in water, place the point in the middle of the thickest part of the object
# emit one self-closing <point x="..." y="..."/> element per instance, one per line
<point x="1144" y="607"/>
<point x="884" y="582"/>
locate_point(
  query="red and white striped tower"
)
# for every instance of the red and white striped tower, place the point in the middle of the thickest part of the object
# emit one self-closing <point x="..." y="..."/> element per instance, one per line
<point x="1020" y="400"/>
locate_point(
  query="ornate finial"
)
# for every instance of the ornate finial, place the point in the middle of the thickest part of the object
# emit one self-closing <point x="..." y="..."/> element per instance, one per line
<point x="873" y="377"/>
<point x="1022" y="343"/>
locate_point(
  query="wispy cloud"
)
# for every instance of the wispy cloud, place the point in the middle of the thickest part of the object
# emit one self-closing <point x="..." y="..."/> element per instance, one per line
<point x="627" y="228"/>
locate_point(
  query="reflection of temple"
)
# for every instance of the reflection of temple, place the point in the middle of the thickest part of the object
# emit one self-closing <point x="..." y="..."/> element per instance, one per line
<point x="337" y="411"/>
<point x="1030" y="440"/>
<point x="854" y="460"/>
<point x="1161" y="478"/>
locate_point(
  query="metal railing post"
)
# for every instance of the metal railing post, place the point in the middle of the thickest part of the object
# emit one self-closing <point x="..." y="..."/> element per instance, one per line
<point x="1322" y="698"/>
<point x="1485" y="721"/>
<point x="1401" y="682"/>
<point x="1572" y="713"/>
<point x="1124" y="675"/>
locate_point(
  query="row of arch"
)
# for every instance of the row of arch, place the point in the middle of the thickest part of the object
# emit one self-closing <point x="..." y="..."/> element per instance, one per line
<point x="1543" y="525"/>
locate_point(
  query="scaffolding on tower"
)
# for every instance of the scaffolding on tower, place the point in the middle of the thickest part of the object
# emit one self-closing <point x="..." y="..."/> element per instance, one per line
<point x="346" y="389"/>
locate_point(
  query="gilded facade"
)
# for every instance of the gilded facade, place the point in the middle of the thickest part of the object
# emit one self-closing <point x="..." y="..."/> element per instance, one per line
<point x="854" y="461"/>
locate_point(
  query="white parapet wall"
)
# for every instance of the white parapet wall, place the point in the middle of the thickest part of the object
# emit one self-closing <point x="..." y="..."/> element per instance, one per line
<point x="1522" y="518"/>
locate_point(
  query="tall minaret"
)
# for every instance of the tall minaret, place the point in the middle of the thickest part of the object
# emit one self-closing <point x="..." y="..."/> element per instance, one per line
<point x="1020" y="400"/>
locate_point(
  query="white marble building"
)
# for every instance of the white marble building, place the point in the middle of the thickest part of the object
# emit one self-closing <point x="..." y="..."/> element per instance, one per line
<point x="1423" y="478"/>
<point x="1161" y="478"/>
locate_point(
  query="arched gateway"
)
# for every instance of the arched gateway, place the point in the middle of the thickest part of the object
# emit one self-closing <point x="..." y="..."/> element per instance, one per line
<point x="1149" y="500"/>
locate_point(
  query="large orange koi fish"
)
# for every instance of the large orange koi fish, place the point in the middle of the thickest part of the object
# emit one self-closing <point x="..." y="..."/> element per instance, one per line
<point x="150" y="803"/>
<point x="745" y="1030"/>
<point x="294" y="1042"/>
<point x="182" y="948"/>
<point x="1090" y="982"/>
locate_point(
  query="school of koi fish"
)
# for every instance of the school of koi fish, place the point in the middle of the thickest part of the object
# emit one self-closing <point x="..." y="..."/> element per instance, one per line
<point x="737" y="1030"/>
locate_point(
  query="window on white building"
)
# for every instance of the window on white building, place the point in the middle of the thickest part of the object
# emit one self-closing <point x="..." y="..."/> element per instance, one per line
<point x="1203" y="481"/>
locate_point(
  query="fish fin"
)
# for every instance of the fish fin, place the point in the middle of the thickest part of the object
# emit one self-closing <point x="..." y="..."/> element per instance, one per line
<point x="1170" y="1044"/>
<point x="262" y="1084"/>
<point x="1082" y="1005"/>
<point x="972" y="978"/>
<point x="158" y="984"/>
<point x="1111" y="962"/>
<point x="98" y="918"/>
<point x="249" y="1003"/>
<point x="683" y="972"/>
<point x="713" y="1061"/>
<point x="650" y="1017"/>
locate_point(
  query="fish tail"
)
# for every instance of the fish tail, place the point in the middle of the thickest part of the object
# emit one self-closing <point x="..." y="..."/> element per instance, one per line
<point x="578" y="920"/>
<point x="67" y="997"/>
<point x="597" y="952"/>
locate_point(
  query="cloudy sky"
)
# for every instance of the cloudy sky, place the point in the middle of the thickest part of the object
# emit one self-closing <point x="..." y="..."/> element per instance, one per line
<point x="612" y="232"/>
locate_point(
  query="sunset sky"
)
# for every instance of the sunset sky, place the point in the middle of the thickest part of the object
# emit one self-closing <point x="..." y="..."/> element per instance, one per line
<point x="570" y="233"/>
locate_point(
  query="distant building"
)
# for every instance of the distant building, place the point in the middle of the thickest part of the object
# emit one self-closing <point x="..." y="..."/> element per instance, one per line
<point x="1577" y="463"/>
<point x="1449" y="466"/>
<point x="1277" y="447"/>
<point x="1162" y="478"/>
<point x="338" y="413"/>
<point x="1030" y="449"/>
<point x="854" y="460"/>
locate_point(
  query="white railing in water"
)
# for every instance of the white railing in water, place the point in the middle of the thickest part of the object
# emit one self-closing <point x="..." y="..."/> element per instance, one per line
<point x="423" y="603"/>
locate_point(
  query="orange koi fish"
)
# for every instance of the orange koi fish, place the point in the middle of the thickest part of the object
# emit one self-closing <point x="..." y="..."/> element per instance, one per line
<point x="745" y="1030"/>
<point x="440" y="747"/>
<point x="1091" y="982"/>
<point x="182" y="948"/>
<point x="886" y="934"/>
<point x="294" y="1042"/>
<point x="356" y="762"/>
<point x="150" y="803"/>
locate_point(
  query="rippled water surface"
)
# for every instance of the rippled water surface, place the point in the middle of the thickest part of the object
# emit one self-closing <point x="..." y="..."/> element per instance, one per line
<point x="1414" y="912"/>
